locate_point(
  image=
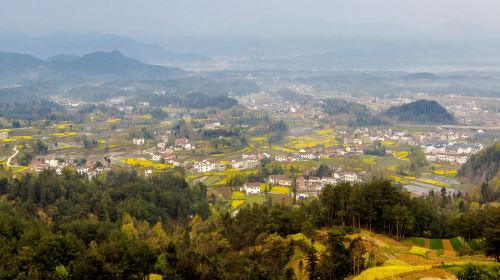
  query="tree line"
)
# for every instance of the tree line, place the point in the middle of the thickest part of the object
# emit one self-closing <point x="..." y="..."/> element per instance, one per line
<point x="119" y="225"/>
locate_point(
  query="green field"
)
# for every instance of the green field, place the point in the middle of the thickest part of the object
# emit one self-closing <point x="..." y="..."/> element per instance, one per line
<point x="436" y="244"/>
<point x="456" y="243"/>
<point x="417" y="241"/>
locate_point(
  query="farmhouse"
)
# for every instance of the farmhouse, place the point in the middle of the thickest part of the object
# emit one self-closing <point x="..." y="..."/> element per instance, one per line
<point x="245" y="164"/>
<point x="138" y="141"/>
<point x="183" y="143"/>
<point x="248" y="156"/>
<point x="280" y="180"/>
<point x="305" y="193"/>
<point x="251" y="188"/>
<point x="281" y="158"/>
<point x="4" y="134"/>
<point x="350" y="177"/>
<point x="204" y="166"/>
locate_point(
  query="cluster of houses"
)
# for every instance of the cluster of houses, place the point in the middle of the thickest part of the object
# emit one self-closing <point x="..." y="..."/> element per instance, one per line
<point x="317" y="152"/>
<point x="88" y="170"/>
<point x="244" y="164"/>
<point x="306" y="187"/>
<point x="451" y="153"/>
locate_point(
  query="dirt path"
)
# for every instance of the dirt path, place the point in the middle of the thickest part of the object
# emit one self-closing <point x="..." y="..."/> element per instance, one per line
<point x="13" y="156"/>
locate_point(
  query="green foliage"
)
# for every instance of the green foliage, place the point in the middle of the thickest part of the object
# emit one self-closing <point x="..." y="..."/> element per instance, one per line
<point x="482" y="166"/>
<point x="359" y="114"/>
<point x="417" y="241"/>
<point x="479" y="272"/>
<point x="457" y="244"/>
<point x="436" y="244"/>
<point x="377" y="149"/>
<point x="417" y="158"/>
<point x="420" y="111"/>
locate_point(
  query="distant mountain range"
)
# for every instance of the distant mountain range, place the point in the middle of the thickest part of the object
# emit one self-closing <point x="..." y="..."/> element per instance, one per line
<point x="94" y="67"/>
<point x="75" y="44"/>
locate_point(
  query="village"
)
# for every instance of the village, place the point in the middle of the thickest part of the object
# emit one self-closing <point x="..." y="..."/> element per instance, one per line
<point x="242" y="162"/>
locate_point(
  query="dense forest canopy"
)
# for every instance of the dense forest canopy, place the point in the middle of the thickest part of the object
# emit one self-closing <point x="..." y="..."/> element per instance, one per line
<point x="120" y="225"/>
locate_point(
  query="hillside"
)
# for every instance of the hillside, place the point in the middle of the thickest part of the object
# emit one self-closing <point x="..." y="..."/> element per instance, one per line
<point x="19" y="103"/>
<point x="98" y="66"/>
<point x="483" y="166"/>
<point x="419" y="76"/>
<point x="348" y="112"/>
<point x="420" y="111"/>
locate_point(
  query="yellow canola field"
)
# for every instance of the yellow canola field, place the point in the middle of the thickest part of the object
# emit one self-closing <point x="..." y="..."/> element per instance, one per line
<point x="237" y="203"/>
<point x="147" y="163"/>
<point x="389" y="269"/>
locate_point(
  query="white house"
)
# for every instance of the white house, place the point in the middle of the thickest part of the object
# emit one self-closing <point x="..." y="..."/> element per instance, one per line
<point x="328" y="181"/>
<point x="204" y="166"/>
<point x="349" y="177"/>
<point x="251" y="188"/>
<point x="280" y="180"/>
<point x="281" y="158"/>
<point x="138" y="141"/>
<point x="53" y="163"/>
<point x="4" y="134"/>
<point x="248" y="156"/>
<point x="245" y="164"/>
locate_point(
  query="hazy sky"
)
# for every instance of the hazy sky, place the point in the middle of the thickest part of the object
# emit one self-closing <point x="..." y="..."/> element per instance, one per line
<point x="152" y="18"/>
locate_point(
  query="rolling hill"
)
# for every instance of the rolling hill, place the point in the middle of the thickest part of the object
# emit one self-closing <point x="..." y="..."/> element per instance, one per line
<point x="420" y="111"/>
<point x="484" y="166"/>
<point x="93" y="67"/>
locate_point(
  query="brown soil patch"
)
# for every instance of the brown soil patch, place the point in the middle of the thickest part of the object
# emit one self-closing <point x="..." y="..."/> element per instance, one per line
<point x="414" y="259"/>
<point x="448" y="249"/>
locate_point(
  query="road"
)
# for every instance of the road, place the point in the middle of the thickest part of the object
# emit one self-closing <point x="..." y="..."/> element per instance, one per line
<point x="13" y="156"/>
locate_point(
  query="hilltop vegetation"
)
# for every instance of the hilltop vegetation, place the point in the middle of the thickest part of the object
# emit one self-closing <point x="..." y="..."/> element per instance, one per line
<point x="349" y="112"/>
<point x="484" y="166"/>
<point x="18" y="104"/>
<point x="420" y="111"/>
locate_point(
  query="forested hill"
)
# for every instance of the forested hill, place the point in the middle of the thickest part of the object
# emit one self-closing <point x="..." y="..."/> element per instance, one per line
<point x="420" y="111"/>
<point x="123" y="226"/>
<point x="483" y="166"/>
<point x="349" y="112"/>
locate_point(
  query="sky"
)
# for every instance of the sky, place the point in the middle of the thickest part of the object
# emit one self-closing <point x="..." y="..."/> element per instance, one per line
<point x="165" y="18"/>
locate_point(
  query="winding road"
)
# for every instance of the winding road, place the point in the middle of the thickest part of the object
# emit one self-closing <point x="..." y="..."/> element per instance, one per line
<point x="16" y="151"/>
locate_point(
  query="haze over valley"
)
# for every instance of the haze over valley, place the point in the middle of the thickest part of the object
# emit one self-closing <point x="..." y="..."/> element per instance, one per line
<point x="250" y="140"/>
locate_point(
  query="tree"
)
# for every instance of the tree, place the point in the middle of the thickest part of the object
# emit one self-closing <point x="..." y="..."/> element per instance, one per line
<point x="417" y="158"/>
<point x="357" y="254"/>
<point x="323" y="171"/>
<point x="275" y="254"/>
<point x="312" y="263"/>
<point x="492" y="233"/>
<point x="336" y="263"/>
<point x="478" y="272"/>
